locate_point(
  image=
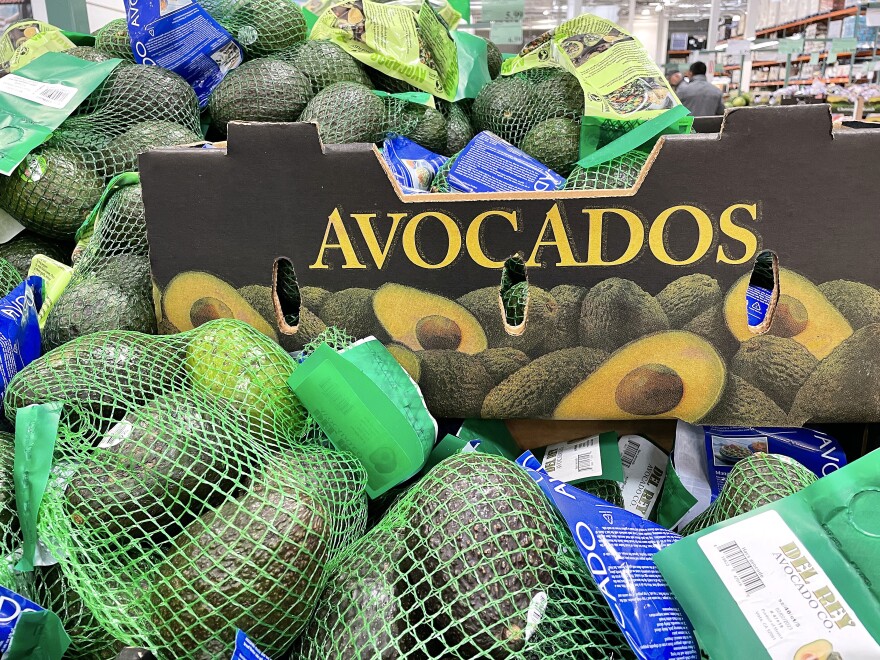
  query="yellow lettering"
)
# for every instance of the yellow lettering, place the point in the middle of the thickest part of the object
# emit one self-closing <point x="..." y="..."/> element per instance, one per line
<point x="657" y="235"/>
<point x="790" y="550"/>
<point x="595" y="218"/>
<point x="410" y="246"/>
<point x="559" y="240"/>
<point x="474" y="238"/>
<point x="366" y="226"/>
<point x="844" y="621"/>
<point x="825" y="596"/>
<point x="737" y="233"/>
<point x="343" y="243"/>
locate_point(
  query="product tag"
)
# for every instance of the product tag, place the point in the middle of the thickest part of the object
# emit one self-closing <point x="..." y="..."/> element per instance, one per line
<point x="618" y="549"/>
<point x="184" y="38"/>
<point x="359" y="417"/>
<point x="490" y="164"/>
<point x="575" y="461"/>
<point x="757" y="304"/>
<point x="413" y="166"/>
<point x="53" y="96"/>
<point x="675" y="500"/>
<point x="245" y="649"/>
<point x="644" y="471"/>
<point x="493" y="436"/>
<point x="29" y="631"/>
<point x="56" y="276"/>
<point x="25" y="41"/>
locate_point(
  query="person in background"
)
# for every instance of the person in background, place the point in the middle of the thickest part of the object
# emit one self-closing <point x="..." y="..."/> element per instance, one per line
<point x="700" y="96"/>
<point x="674" y="77"/>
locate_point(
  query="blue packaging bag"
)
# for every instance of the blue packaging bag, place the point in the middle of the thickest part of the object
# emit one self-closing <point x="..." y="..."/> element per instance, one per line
<point x="490" y="164"/>
<point x="618" y="548"/>
<point x="181" y="36"/>
<point x="245" y="649"/>
<point x="19" y="329"/>
<point x="413" y="166"/>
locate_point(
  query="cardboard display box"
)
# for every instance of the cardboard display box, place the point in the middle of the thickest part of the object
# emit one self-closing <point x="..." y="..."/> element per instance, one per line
<point x="598" y="342"/>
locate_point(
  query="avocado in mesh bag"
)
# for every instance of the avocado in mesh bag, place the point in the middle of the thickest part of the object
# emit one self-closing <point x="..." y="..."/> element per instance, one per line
<point x="260" y="90"/>
<point x="346" y="112"/>
<point x="121" y="153"/>
<point x="20" y="250"/>
<point x="554" y="142"/>
<point x="324" y="63"/>
<point x="459" y="130"/>
<point x="113" y="39"/>
<point x="88" y="54"/>
<point x="261" y="27"/>
<point x="421" y="124"/>
<point x="617" y="173"/>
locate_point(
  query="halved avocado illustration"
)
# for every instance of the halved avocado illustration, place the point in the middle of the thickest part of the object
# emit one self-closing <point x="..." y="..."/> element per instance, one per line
<point x="195" y="297"/>
<point x="821" y="649"/>
<point x="422" y="320"/>
<point x="668" y="374"/>
<point x="803" y="314"/>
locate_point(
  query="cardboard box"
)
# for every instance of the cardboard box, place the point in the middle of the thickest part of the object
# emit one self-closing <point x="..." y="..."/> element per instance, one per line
<point x="705" y="206"/>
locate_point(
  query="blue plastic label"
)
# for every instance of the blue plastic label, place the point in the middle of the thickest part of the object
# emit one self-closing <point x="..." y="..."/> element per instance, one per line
<point x="245" y="649"/>
<point x="489" y="164"/>
<point x="19" y="329"/>
<point x="725" y="445"/>
<point x="618" y="548"/>
<point x="757" y="303"/>
<point x="413" y="166"/>
<point x="182" y="37"/>
<point x="11" y="607"/>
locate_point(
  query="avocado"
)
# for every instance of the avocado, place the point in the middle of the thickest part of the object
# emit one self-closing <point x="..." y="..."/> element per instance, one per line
<point x="121" y="230"/>
<point x="618" y="173"/>
<point x="540" y="318"/>
<point x="423" y="125"/>
<point x="744" y="404"/>
<point x="687" y="297"/>
<point x="216" y="300"/>
<point x="160" y="466"/>
<point x="422" y="320"/>
<point x="710" y="325"/>
<point x="561" y="93"/>
<point x="407" y="359"/>
<point x="671" y="374"/>
<point x="803" y="313"/>
<point x="260" y="90"/>
<point x="121" y="153"/>
<point x="9" y="277"/>
<point x="493" y="59"/>
<point x="440" y="182"/>
<point x="556" y="143"/>
<point x="500" y="363"/>
<point x="114" y="40"/>
<point x="775" y="365"/>
<point x="383" y="82"/>
<point x="309" y="326"/>
<point x="753" y="482"/>
<point x="509" y="108"/>
<point x="325" y="63"/>
<point x="353" y="310"/>
<point x="261" y="27"/>
<point x="313" y="297"/>
<point x="459" y="130"/>
<point x="231" y="360"/>
<point x="535" y="389"/>
<point x="454" y="384"/>
<point x="845" y="386"/>
<point x="20" y="250"/>
<point x="88" y="54"/>
<point x="51" y="192"/>
<point x="606" y="489"/>
<point x="346" y="112"/>
<point x="255" y="562"/>
<point x="93" y="304"/>
<point x="565" y="333"/>
<point x="859" y="303"/>
<point x="618" y="311"/>
<point x="821" y="649"/>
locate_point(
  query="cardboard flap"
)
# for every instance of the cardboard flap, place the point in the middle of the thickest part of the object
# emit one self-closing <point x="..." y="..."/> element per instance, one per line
<point x="256" y="139"/>
<point x="808" y="122"/>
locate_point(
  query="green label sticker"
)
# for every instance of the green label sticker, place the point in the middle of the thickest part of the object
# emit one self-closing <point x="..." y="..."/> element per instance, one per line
<point x="34" y="170"/>
<point x="493" y="436"/>
<point x="844" y="45"/>
<point x="790" y="46"/>
<point x="505" y="11"/>
<point x="507" y="34"/>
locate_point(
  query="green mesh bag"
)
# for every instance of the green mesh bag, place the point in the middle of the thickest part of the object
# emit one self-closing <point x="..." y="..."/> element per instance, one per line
<point x="420" y="123"/>
<point x="261" y="27"/>
<point x="88" y="54"/>
<point x="514" y="291"/>
<point x="608" y="489"/>
<point x="135" y="108"/>
<point x="324" y="63"/>
<point x="20" y="250"/>
<point x="9" y="277"/>
<point x="192" y="502"/>
<point x="615" y="174"/>
<point x="113" y="39"/>
<point x="511" y="106"/>
<point x="556" y="143"/>
<point x="111" y="287"/>
<point x="347" y="112"/>
<point x="753" y="482"/>
<point x="459" y="130"/>
<point x="260" y="90"/>
<point x="471" y="562"/>
<point x="440" y="182"/>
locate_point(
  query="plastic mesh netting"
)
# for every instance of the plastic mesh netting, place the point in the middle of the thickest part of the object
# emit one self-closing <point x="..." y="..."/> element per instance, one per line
<point x="189" y="502"/>
<point x="607" y="489"/>
<point x="20" y="250"/>
<point x="753" y="482"/>
<point x="261" y="27"/>
<point x="620" y="172"/>
<point x="111" y="287"/>
<point x="324" y="63"/>
<point x="470" y="562"/>
<point x="137" y="107"/>
<point x="9" y="277"/>
<point x="113" y="39"/>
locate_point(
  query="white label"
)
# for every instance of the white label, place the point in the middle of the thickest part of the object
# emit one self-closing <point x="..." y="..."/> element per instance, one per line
<point x="52" y="95"/>
<point x="644" y="470"/>
<point x="116" y="434"/>
<point x="537" y="607"/>
<point x="573" y="460"/>
<point x="784" y="594"/>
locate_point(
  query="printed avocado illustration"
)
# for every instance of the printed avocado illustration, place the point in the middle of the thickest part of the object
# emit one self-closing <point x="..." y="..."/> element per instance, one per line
<point x="669" y="374"/>
<point x="618" y="311"/>
<point x="821" y="649"/>
<point x="776" y="365"/>
<point x="687" y="297"/>
<point x="313" y="297"/>
<point x="454" y="384"/>
<point x="406" y="359"/>
<point x="352" y="310"/>
<point x="196" y="297"/>
<point x="859" y="303"/>
<point x="803" y="313"/>
<point x="422" y="320"/>
<point x="564" y="334"/>
<point x="710" y="325"/>
<point x="502" y="362"/>
<point x="742" y="401"/>
<point x="310" y="326"/>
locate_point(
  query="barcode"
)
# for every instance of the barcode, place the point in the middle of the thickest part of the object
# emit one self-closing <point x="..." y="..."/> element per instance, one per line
<point x="53" y="93"/>
<point x="744" y="570"/>
<point x="629" y="453"/>
<point x="585" y="462"/>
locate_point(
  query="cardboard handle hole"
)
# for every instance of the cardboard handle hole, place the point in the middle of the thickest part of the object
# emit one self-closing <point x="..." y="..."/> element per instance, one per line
<point x="513" y="295"/>
<point x="762" y="294"/>
<point x="285" y="296"/>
